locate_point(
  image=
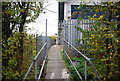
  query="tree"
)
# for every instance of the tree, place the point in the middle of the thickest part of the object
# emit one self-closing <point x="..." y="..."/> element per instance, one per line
<point x="15" y="15"/>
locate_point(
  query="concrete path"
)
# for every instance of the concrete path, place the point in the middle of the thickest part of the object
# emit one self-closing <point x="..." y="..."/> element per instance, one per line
<point x="56" y="67"/>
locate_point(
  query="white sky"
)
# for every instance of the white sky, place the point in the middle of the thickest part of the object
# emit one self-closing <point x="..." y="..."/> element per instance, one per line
<point x="52" y="18"/>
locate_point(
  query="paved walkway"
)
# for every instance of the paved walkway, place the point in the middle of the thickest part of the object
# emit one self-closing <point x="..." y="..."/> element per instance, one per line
<point x="56" y="67"/>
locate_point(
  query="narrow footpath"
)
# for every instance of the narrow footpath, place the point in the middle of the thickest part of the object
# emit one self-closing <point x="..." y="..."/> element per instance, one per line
<point x="56" y="67"/>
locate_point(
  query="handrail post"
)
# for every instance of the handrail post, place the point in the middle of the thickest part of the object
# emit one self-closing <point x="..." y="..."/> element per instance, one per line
<point x="85" y="69"/>
<point x="88" y="59"/>
<point x="64" y="45"/>
<point x="34" y="63"/>
<point x="43" y="64"/>
<point x="35" y="70"/>
<point x="74" y="66"/>
<point x="94" y="70"/>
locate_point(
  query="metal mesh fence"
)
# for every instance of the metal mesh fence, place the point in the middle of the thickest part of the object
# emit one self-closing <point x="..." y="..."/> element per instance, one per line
<point x="40" y="42"/>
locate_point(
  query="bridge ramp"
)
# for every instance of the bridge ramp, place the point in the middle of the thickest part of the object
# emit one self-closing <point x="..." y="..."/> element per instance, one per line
<point x="56" y="66"/>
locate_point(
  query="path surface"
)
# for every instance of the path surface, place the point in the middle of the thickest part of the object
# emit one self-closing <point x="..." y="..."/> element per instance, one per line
<point x="56" y="67"/>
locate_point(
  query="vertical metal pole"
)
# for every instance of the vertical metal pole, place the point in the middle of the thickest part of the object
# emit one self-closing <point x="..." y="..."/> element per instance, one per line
<point x="36" y="44"/>
<point x="46" y="38"/>
<point x="70" y="37"/>
<point x="67" y="34"/>
<point x="84" y="52"/>
<point x="46" y="30"/>
<point x="64" y="29"/>
<point x="85" y="69"/>
<point x="36" y="61"/>
<point x="82" y="28"/>
<point x="0" y="42"/>
<point x="35" y="70"/>
<point x="71" y="31"/>
<point x="65" y="38"/>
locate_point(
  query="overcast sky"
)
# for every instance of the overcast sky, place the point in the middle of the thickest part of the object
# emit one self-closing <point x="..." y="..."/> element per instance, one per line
<point x="52" y="18"/>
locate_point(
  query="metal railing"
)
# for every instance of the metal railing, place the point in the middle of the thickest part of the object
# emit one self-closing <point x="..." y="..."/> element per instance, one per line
<point x="34" y="62"/>
<point x="85" y="65"/>
<point x="74" y="66"/>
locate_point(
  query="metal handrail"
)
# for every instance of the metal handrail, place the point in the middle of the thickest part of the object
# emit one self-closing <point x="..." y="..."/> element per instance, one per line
<point x="42" y="68"/>
<point x="77" y="50"/>
<point x="28" y="71"/>
<point x="88" y="59"/>
<point x="34" y="61"/>
<point x="40" y="51"/>
<point x="74" y="66"/>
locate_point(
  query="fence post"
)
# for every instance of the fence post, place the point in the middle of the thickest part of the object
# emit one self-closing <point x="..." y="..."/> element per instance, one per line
<point x="64" y="46"/>
<point x="85" y="69"/>
<point x="35" y="70"/>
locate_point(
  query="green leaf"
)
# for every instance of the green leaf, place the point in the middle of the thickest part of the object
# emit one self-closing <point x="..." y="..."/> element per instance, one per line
<point x="80" y="19"/>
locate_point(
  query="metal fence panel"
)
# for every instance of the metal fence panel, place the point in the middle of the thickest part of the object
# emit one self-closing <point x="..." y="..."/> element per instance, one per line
<point x="72" y="35"/>
<point x="40" y="42"/>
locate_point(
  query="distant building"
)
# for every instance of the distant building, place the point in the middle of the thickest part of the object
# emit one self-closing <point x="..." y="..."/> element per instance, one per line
<point x="65" y="13"/>
<point x="68" y="19"/>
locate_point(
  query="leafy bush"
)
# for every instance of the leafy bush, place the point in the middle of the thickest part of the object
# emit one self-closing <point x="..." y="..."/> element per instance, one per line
<point x="11" y="56"/>
<point x="102" y="40"/>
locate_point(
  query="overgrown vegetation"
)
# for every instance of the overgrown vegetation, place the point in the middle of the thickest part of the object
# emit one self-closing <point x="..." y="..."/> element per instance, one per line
<point x="11" y="57"/>
<point x="79" y="64"/>
<point x="103" y="39"/>
<point x="100" y="42"/>
<point x="18" y="47"/>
